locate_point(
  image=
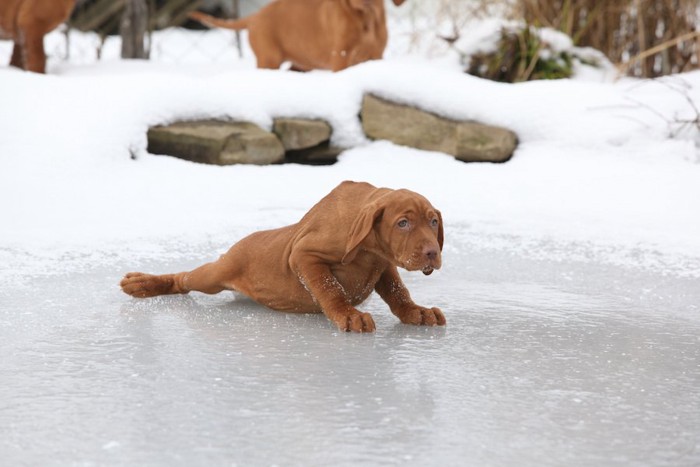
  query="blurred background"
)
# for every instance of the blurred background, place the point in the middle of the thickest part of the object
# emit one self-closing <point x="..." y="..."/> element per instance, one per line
<point x="641" y="38"/>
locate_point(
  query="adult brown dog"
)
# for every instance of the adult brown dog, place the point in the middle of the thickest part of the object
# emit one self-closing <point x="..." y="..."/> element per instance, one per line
<point x="313" y="34"/>
<point x="27" y="22"/>
<point x="347" y="245"/>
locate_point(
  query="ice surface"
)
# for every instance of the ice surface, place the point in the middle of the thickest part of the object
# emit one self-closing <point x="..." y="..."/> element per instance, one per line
<point x="570" y="282"/>
<point x="542" y="362"/>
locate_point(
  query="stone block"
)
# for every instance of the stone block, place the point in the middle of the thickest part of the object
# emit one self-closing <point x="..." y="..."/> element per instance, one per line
<point x="299" y="133"/>
<point x="410" y="126"/>
<point x="216" y="142"/>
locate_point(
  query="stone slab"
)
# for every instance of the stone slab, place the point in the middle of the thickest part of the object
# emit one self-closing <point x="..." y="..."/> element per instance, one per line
<point x="299" y="133"/>
<point x="216" y="142"/>
<point x="416" y="128"/>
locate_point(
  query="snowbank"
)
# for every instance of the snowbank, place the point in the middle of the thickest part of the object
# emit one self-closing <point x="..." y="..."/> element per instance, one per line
<point x="595" y="163"/>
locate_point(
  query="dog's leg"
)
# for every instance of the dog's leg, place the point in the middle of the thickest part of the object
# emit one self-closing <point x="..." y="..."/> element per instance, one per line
<point x="35" y="57"/>
<point x="267" y="54"/>
<point x="393" y="291"/>
<point x="210" y="278"/>
<point x="142" y="285"/>
<point x="330" y="295"/>
<point x="268" y="63"/>
<point x="17" y="59"/>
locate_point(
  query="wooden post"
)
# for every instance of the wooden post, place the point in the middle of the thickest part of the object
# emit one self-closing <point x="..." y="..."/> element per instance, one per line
<point x="133" y="28"/>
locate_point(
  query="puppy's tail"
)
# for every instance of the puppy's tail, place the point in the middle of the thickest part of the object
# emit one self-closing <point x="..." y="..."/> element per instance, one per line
<point x="212" y="22"/>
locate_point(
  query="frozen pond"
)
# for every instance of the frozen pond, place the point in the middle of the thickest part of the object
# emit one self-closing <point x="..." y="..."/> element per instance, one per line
<point x="542" y="362"/>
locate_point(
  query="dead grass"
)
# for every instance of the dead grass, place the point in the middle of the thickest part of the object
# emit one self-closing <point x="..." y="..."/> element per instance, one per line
<point x="646" y="38"/>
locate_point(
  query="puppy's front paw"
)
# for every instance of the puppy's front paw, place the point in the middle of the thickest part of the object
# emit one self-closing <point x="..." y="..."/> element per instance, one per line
<point x="356" y="322"/>
<point x="419" y="315"/>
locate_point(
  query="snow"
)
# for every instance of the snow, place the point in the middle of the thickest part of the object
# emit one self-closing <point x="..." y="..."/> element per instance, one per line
<point x="595" y="162"/>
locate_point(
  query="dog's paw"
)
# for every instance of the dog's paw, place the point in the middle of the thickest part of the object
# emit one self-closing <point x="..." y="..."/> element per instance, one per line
<point x="419" y="315"/>
<point x="140" y="285"/>
<point x="356" y="322"/>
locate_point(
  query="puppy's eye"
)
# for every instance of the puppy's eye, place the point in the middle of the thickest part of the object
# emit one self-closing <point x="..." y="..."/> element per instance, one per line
<point x="403" y="223"/>
<point x="434" y="223"/>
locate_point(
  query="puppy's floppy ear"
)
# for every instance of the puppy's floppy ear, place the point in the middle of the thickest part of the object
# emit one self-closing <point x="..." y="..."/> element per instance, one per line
<point x="361" y="227"/>
<point x="441" y="230"/>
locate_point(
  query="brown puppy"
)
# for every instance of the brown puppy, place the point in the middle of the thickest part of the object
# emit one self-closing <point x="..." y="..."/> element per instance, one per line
<point x="26" y="22"/>
<point x="347" y="245"/>
<point x="313" y="34"/>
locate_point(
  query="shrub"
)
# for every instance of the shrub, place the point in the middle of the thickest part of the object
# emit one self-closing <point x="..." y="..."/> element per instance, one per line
<point x="520" y="55"/>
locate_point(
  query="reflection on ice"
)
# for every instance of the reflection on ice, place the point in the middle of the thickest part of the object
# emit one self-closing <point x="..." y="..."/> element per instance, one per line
<point x="541" y="363"/>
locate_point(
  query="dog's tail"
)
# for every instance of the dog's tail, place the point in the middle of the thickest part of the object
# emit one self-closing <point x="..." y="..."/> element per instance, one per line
<point x="212" y="22"/>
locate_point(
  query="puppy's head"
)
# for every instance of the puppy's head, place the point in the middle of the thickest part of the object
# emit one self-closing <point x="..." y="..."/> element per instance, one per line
<point x="403" y="227"/>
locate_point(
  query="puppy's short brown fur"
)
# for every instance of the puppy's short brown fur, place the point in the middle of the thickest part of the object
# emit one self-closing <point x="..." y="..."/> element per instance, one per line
<point x="26" y="22"/>
<point x="313" y="34"/>
<point x="349" y="244"/>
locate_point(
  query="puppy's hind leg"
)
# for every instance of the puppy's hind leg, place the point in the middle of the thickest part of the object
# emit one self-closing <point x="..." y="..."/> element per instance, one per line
<point x="210" y="278"/>
<point x="141" y="285"/>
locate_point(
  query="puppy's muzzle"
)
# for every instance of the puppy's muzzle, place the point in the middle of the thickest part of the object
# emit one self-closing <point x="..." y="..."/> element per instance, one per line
<point x="431" y="256"/>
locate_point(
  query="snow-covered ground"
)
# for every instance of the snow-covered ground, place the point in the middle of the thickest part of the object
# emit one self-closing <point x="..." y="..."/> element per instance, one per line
<point x="595" y="162"/>
<point x="604" y="185"/>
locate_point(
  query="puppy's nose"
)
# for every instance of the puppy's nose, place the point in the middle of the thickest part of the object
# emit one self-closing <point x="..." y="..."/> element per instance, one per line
<point x="431" y="252"/>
